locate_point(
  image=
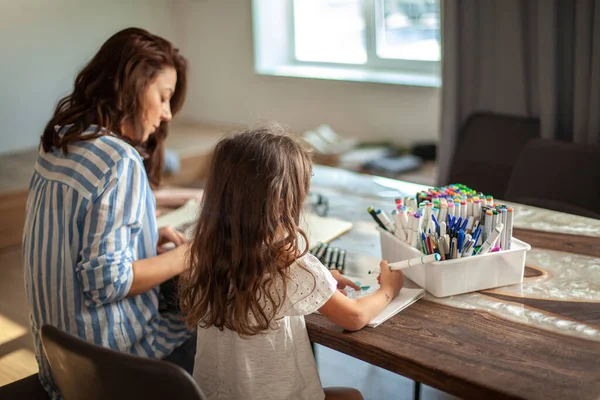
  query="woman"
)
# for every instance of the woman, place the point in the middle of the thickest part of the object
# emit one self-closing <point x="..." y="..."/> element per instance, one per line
<point x="90" y="238"/>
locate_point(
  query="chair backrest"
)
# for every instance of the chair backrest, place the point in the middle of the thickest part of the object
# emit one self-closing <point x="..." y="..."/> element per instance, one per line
<point x="85" y="371"/>
<point x="488" y="147"/>
<point x="559" y="176"/>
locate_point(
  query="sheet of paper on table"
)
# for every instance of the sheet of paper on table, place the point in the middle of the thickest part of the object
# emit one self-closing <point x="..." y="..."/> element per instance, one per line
<point x="318" y="229"/>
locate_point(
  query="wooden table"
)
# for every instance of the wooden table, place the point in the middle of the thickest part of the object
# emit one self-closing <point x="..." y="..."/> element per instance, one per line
<point x="536" y="340"/>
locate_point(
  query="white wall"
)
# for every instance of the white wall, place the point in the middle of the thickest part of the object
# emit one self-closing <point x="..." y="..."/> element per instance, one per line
<point x="224" y="88"/>
<point x="44" y="43"/>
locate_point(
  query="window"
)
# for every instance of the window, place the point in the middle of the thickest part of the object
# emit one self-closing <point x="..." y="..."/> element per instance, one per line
<point x="391" y="41"/>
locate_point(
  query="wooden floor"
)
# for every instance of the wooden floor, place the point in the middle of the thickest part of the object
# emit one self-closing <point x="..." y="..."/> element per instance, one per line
<point x="16" y="346"/>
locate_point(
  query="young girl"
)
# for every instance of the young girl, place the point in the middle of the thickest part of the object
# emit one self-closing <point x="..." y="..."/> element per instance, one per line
<point x="249" y="284"/>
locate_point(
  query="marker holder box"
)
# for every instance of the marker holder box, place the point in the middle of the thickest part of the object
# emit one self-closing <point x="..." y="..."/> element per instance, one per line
<point x="462" y="275"/>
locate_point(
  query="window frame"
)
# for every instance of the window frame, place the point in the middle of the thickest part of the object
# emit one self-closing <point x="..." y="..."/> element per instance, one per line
<point x="375" y="69"/>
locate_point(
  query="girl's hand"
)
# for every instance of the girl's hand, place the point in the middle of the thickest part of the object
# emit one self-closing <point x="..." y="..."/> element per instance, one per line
<point x="342" y="281"/>
<point x="389" y="278"/>
<point x="168" y="234"/>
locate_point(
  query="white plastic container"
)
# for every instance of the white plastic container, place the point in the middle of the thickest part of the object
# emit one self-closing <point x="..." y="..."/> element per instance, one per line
<point x="462" y="275"/>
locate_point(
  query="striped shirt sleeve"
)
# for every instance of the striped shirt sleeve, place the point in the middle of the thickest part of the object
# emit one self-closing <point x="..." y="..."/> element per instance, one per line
<point x="112" y="223"/>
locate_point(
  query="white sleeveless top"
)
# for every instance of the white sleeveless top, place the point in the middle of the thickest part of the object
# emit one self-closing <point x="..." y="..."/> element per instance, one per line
<point x="278" y="364"/>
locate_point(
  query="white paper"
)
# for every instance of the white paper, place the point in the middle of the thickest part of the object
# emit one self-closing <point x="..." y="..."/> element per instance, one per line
<point x="405" y="298"/>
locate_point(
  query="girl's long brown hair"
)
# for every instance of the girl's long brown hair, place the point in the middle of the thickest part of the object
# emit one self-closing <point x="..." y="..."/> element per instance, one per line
<point x="110" y="90"/>
<point x="247" y="232"/>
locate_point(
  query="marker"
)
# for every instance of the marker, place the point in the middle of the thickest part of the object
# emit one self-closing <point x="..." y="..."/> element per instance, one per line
<point x="487" y="225"/>
<point x="423" y="244"/>
<point x="400" y="217"/>
<point x="410" y="263"/>
<point x="468" y="251"/>
<point x="453" y="244"/>
<point x="398" y="202"/>
<point x="416" y="227"/>
<point x="469" y="207"/>
<point x="477" y="208"/>
<point x="385" y="220"/>
<point x="375" y="217"/>
<point x="509" y="226"/>
<point x="491" y="240"/>
<point x="460" y="241"/>
<point x="451" y="211"/>
<point x="463" y="209"/>
<point x="464" y="225"/>
<point x="477" y="235"/>
<point x="447" y="246"/>
<point x="502" y="240"/>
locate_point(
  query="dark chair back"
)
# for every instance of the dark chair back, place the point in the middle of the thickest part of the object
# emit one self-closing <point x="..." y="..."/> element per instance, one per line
<point x="85" y="371"/>
<point x="559" y="176"/>
<point x="29" y="388"/>
<point x="487" y="150"/>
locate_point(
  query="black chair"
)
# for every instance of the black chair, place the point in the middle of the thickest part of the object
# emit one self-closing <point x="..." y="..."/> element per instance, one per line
<point x="85" y="371"/>
<point x="558" y="176"/>
<point x="488" y="147"/>
<point x="29" y="388"/>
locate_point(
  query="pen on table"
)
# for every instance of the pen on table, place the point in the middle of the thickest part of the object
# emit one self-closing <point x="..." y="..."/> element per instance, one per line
<point x="327" y="259"/>
<point x="334" y="257"/>
<point x="319" y="254"/>
<point x="410" y="263"/>
<point x="316" y="248"/>
<point x="341" y="261"/>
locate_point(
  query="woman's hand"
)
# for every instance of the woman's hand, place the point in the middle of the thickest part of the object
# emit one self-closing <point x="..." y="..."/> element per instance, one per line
<point x="342" y="281"/>
<point x="168" y="234"/>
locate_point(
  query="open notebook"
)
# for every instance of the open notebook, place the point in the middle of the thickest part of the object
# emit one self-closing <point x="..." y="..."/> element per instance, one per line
<point x="318" y="229"/>
<point x="405" y="298"/>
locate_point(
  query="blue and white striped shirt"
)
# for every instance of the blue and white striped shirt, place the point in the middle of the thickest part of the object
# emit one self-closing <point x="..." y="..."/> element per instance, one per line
<point x="90" y="214"/>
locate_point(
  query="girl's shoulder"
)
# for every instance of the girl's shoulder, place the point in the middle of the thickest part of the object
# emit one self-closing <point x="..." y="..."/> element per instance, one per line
<point x="309" y="286"/>
<point x="309" y="263"/>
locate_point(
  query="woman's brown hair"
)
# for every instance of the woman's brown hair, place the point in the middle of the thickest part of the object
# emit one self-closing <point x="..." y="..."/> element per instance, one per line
<point x="248" y="230"/>
<point x="109" y="91"/>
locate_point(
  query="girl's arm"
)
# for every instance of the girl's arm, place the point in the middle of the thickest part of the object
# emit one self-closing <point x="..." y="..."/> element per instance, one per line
<point x="355" y="314"/>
